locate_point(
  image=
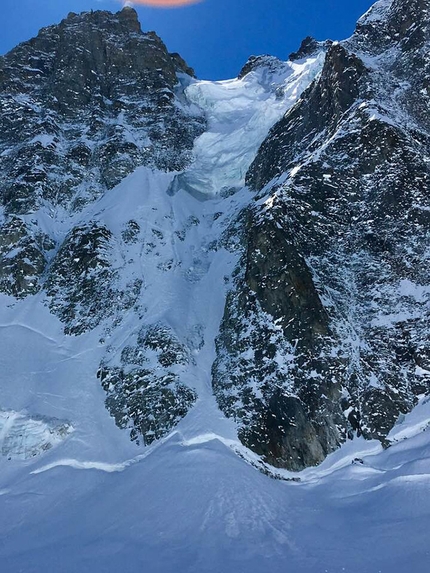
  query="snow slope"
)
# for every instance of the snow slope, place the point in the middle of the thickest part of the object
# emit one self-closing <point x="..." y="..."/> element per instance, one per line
<point x="197" y="507"/>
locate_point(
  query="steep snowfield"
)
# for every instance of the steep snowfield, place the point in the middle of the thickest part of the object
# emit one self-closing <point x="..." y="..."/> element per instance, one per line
<point x="77" y="496"/>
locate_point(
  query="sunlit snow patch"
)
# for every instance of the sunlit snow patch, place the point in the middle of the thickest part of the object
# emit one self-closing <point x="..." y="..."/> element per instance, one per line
<point x="377" y="12"/>
<point x="23" y="437"/>
<point x="412" y="424"/>
<point x="240" y="113"/>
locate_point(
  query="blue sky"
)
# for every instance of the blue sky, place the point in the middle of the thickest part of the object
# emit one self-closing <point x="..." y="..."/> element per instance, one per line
<point x="215" y="36"/>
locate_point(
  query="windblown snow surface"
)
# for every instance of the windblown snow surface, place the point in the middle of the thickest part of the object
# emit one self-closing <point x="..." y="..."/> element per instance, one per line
<point x="77" y="496"/>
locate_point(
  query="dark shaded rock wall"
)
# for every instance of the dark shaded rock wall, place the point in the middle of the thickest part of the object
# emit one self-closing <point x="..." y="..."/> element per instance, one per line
<point x="23" y="251"/>
<point x="82" y="280"/>
<point x="324" y="333"/>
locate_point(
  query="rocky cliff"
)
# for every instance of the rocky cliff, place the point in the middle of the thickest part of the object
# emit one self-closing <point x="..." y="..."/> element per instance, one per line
<point x="325" y="335"/>
<point x="82" y="105"/>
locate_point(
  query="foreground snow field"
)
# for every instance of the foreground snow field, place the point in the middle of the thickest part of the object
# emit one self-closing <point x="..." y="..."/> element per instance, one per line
<point x="195" y="506"/>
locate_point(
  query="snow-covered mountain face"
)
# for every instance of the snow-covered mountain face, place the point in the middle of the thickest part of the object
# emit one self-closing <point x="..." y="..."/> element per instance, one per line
<point x="122" y="181"/>
<point x="173" y="248"/>
<point x="82" y="105"/>
<point x="200" y="278"/>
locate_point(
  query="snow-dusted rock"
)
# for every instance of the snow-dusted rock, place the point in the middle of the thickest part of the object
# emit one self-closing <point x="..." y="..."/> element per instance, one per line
<point x="335" y="268"/>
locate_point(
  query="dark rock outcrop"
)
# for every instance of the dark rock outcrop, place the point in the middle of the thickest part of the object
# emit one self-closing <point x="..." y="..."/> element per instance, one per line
<point x="23" y="252"/>
<point x="145" y="392"/>
<point x="83" y="104"/>
<point x="274" y="353"/>
<point x="82" y="280"/>
<point x="309" y="47"/>
<point x="270" y="64"/>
